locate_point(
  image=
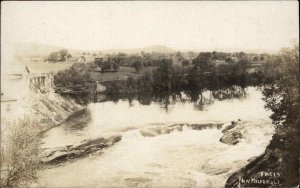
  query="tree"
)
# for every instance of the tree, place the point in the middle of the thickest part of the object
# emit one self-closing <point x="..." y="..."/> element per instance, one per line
<point x="20" y="160"/>
<point x="284" y="84"/>
<point x="185" y="62"/>
<point x="138" y="66"/>
<point x="76" y="78"/>
<point x="106" y="65"/>
<point x="116" y="66"/>
<point x="243" y="65"/>
<point x="241" y="54"/>
<point x="61" y="55"/>
<point x="229" y="60"/>
<point x="163" y="74"/>
<point x="64" y="55"/>
<point x="179" y="56"/>
<point x="203" y="61"/>
<point x="54" y="57"/>
<point x="214" y="55"/>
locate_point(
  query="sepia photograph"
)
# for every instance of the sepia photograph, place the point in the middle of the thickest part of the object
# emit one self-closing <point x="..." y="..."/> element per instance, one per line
<point x="104" y="94"/>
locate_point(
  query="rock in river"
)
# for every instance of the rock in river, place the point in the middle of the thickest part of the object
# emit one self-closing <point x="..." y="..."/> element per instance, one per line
<point x="85" y="148"/>
<point x="234" y="132"/>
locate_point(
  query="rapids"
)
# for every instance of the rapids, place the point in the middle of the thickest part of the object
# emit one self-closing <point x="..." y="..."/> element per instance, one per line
<point x="182" y="158"/>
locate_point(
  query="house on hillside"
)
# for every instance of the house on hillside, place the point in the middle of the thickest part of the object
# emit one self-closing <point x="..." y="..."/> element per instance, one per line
<point x="99" y="61"/>
<point x="234" y="59"/>
<point x="82" y="59"/>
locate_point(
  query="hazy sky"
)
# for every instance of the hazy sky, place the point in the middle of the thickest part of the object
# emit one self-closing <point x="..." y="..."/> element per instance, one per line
<point x="267" y="25"/>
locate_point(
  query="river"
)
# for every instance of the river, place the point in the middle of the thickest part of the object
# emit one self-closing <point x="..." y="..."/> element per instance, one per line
<point x="180" y="159"/>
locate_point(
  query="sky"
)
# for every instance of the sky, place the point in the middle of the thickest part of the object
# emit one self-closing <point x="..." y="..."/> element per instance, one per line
<point x="181" y="25"/>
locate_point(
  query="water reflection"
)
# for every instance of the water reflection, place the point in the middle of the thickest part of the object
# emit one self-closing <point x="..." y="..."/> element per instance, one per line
<point x="200" y="98"/>
<point x="229" y="93"/>
<point x="77" y="121"/>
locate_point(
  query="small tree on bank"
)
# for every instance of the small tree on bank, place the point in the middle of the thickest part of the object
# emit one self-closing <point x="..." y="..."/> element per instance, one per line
<point x="20" y="149"/>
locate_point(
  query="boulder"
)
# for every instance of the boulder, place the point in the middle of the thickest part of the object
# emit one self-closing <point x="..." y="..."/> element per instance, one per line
<point x="231" y="137"/>
<point x="62" y="154"/>
<point x="233" y="133"/>
<point x="233" y="124"/>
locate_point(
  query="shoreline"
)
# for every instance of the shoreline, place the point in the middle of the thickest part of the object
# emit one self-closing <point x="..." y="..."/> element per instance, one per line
<point x="272" y="168"/>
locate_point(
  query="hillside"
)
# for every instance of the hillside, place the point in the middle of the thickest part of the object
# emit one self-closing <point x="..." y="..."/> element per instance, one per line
<point x="149" y="49"/>
<point x="34" y="49"/>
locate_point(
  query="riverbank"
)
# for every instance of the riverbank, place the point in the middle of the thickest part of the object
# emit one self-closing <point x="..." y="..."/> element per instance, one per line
<point x="50" y="109"/>
<point x="275" y="167"/>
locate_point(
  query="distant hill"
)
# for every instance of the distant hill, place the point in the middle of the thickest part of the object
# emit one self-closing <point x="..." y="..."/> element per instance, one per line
<point x="232" y="50"/>
<point x="34" y="49"/>
<point x="149" y="49"/>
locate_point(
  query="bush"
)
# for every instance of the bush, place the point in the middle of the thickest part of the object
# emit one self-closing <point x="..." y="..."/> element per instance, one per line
<point x="77" y="77"/>
<point x="20" y="154"/>
<point x="185" y="62"/>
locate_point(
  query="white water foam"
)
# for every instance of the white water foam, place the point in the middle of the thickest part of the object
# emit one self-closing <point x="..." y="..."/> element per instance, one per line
<point x="188" y="158"/>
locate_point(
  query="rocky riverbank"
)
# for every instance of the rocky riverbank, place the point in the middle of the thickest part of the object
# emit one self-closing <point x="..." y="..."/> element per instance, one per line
<point x="86" y="147"/>
<point x="275" y="167"/>
<point x="50" y="109"/>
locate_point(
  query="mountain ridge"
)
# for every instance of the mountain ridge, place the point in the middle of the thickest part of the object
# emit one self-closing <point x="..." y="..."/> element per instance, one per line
<point x="36" y="49"/>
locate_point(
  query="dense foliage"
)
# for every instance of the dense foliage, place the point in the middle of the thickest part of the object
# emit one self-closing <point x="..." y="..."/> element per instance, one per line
<point x="171" y="72"/>
<point x="281" y="93"/>
<point x="20" y="148"/>
<point x="76" y="78"/>
<point x="281" y="87"/>
<point x="60" y="56"/>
